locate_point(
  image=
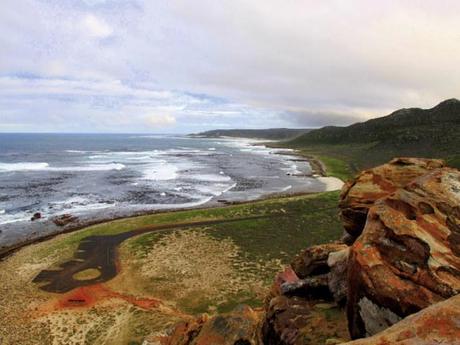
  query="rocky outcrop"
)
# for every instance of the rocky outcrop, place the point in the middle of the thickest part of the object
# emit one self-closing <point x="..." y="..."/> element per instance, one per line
<point x="240" y="327"/>
<point x="338" y="275"/>
<point x="285" y="319"/>
<point x="359" y="194"/>
<point x="437" y="324"/>
<point x="399" y="279"/>
<point x="36" y="216"/>
<point x="295" y="311"/>
<point x="64" y="219"/>
<point x="408" y="256"/>
<point x="313" y="260"/>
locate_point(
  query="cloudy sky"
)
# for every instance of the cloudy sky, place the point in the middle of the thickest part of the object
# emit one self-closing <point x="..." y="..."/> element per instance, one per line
<point x="184" y="66"/>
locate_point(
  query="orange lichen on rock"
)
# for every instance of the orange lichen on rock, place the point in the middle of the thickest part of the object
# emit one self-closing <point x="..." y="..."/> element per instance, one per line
<point x="406" y="258"/>
<point x="370" y="185"/>
<point x="437" y="324"/>
<point x="237" y="327"/>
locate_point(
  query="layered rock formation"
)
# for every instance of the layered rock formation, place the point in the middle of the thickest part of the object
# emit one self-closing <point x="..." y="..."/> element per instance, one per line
<point x="408" y="256"/>
<point x="437" y="324"/>
<point x="240" y="327"/>
<point x="403" y="220"/>
<point x="359" y="194"/>
<point x="303" y="295"/>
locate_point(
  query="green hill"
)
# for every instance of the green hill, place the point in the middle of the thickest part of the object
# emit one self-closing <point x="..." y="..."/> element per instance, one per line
<point x="414" y="132"/>
<point x="269" y="134"/>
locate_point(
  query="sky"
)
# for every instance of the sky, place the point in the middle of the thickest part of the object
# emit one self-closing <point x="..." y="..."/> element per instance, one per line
<point x="181" y="66"/>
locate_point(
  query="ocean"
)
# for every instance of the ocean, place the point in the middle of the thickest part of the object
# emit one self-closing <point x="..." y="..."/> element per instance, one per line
<point x="104" y="176"/>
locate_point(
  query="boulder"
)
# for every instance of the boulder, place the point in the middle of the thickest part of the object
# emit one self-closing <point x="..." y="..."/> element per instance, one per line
<point x="240" y="327"/>
<point x="296" y="312"/>
<point x="294" y="320"/>
<point x="37" y="215"/>
<point x="284" y="320"/>
<point x="311" y="287"/>
<point x="313" y="260"/>
<point x="408" y="256"/>
<point x="64" y="219"/>
<point x="359" y="194"/>
<point x="437" y="324"/>
<point x="338" y="275"/>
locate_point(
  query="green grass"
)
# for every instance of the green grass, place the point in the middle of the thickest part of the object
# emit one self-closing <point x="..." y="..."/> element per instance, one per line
<point x="336" y="167"/>
<point x="298" y="222"/>
<point x="264" y="244"/>
<point x="454" y="161"/>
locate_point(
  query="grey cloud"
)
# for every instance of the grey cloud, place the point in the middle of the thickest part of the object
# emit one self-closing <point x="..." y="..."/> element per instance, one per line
<point x="314" y="119"/>
<point x="299" y="62"/>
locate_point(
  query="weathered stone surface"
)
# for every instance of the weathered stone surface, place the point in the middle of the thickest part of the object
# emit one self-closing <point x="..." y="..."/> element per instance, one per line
<point x="437" y="324"/>
<point x="288" y="276"/>
<point x="338" y="275"/>
<point x="313" y="260"/>
<point x="284" y="319"/>
<point x="64" y="219"/>
<point x="301" y="321"/>
<point x="240" y="327"/>
<point x="296" y="312"/>
<point x="36" y="215"/>
<point x="311" y="287"/>
<point x="360" y="193"/>
<point x="408" y="256"/>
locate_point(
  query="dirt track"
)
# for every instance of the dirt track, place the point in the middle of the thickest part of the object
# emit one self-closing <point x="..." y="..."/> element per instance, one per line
<point x="100" y="253"/>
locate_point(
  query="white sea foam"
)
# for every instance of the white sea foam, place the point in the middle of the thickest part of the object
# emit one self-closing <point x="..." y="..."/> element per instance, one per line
<point x="161" y="172"/>
<point x="2" y="211"/>
<point x="210" y="177"/>
<point x="6" y="218"/>
<point x="25" y="166"/>
<point x="286" y="188"/>
<point x="215" y="189"/>
<point x="76" y="151"/>
<point x="92" y="167"/>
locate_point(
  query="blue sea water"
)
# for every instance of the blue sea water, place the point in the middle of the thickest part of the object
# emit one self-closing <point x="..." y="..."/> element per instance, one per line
<point x="100" y="174"/>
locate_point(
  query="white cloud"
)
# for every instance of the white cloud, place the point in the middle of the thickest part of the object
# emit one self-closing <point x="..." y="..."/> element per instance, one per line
<point x="235" y="62"/>
<point x="160" y="121"/>
<point x="96" y="27"/>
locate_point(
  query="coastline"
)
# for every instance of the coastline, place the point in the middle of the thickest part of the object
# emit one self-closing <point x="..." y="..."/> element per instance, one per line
<point x="318" y="171"/>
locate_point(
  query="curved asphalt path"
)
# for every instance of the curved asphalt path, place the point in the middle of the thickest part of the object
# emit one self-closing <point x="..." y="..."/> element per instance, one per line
<point x="100" y="253"/>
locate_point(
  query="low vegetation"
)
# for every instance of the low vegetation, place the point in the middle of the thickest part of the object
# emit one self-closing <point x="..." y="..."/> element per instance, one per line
<point x="429" y="133"/>
<point x="164" y="276"/>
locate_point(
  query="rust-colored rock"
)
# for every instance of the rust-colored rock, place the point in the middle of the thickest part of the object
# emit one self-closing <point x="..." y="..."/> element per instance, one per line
<point x="285" y="317"/>
<point x="338" y="275"/>
<point x="64" y="219"/>
<point x="313" y="260"/>
<point x="437" y="324"/>
<point x="297" y="321"/>
<point x="408" y="256"/>
<point x="360" y="193"/>
<point x="240" y="327"/>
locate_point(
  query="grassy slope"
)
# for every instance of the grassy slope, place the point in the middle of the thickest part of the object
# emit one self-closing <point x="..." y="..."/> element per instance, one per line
<point x="431" y="133"/>
<point x="264" y="245"/>
<point x="228" y="264"/>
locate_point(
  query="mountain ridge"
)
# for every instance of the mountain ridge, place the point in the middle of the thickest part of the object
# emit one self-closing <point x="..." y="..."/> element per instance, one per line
<point x="269" y="133"/>
<point x="448" y="110"/>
